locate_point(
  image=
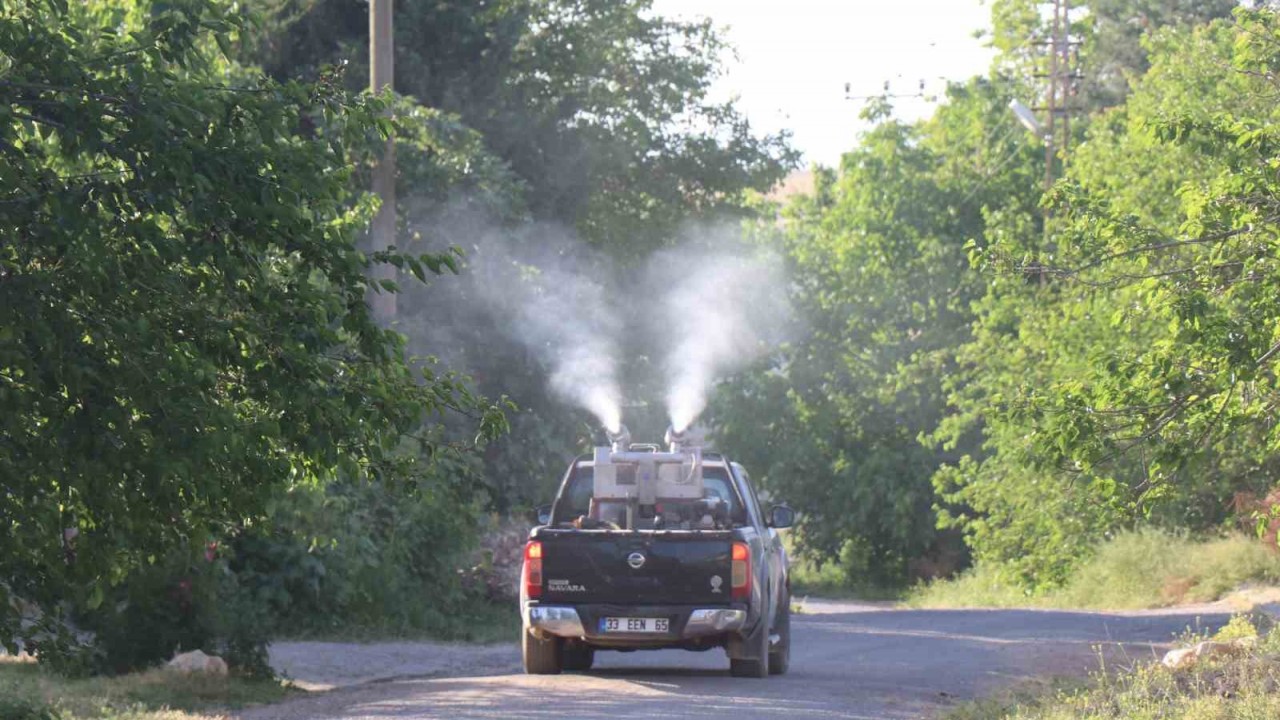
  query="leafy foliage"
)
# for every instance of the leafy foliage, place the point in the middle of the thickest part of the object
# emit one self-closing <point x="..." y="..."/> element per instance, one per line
<point x="373" y="555"/>
<point x="593" y="121"/>
<point x="1135" y="384"/>
<point x="599" y="107"/>
<point x="1113" y="370"/>
<point x="1113" y="37"/>
<point x="183" y="328"/>
<point x="882" y="280"/>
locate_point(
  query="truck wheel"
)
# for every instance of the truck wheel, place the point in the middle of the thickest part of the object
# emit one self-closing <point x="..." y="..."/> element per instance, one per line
<point x="542" y="657"/>
<point x="756" y="666"/>
<point x="578" y="657"/>
<point x="780" y="656"/>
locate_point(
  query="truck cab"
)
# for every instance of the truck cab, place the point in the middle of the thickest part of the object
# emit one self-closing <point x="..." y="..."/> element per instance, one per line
<point x="691" y="572"/>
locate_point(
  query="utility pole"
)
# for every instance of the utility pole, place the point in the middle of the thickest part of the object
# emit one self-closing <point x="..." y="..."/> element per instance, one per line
<point x="383" y="232"/>
<point x="1051" y="101"/>
<point x="1061" y="76"/>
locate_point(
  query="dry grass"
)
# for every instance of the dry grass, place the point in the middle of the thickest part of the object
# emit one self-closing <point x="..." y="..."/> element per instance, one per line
<point x="1143" y="569"/>
<point x="27" y="692"/>
<point x="1239" y="688"/>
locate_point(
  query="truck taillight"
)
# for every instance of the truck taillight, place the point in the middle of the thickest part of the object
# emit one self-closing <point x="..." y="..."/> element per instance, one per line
<point x="533" y="569"/>
<point x="740" y="571"/>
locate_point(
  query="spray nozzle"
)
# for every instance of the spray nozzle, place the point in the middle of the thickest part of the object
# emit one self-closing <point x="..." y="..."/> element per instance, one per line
<point x="680" y="440"/>
<point x="620" y="440"/>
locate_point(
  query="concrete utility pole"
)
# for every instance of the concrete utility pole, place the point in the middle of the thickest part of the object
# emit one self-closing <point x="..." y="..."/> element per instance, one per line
<point x="383" y="232"/>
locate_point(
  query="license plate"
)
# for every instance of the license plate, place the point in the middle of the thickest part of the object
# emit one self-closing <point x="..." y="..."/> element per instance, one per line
<point x="634" y="625"/>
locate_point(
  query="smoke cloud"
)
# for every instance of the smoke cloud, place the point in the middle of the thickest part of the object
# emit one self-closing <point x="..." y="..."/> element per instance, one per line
<point x="710" y="306"/>
<point x="724" y="309"/>
<point x="548" y="289"/>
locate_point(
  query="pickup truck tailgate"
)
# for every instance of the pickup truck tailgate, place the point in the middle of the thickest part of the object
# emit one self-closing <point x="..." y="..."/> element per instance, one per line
<point x="605" y="566"/>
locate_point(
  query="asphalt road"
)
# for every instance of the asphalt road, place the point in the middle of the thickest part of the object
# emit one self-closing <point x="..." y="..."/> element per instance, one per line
<point x="848" y="661"/>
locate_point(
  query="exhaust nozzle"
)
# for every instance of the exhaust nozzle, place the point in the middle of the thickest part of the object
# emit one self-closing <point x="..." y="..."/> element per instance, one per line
<point x="680" y="440"/>
<point x="621" y="440"/>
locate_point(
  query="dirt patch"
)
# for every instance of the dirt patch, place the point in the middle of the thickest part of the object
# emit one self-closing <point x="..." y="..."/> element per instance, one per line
<point x="1175" y="589"/>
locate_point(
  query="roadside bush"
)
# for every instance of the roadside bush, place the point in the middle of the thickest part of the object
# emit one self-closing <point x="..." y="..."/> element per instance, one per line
<point x="1150" y="568"/>
<point x="494" y="573"/>
<point x="162" y="609"/>
<point x="1138" y="569"/>
<point x="983" y="585"/>
<point x="370" y="556"/>
<point x="376" y="555"/>
<point x="189" y="601"/>
<point x="845" y="575"/>
<point x="16" y="704"/>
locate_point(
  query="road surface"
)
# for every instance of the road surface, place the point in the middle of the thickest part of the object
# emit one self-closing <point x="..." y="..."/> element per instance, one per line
<point x="848" y="661"/>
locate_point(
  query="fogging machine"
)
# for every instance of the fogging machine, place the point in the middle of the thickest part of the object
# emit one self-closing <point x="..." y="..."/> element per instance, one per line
<point x="644" y="475"/>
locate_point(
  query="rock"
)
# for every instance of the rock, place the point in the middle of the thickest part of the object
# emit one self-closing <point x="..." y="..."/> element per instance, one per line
<point x="1188" y="657"/>
<point x="197" y="662"/>
<point x="1180" y="658"/>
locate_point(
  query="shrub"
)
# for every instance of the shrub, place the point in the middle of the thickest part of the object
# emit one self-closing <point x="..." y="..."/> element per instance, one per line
<point x="189" y="601"/>
<point x="494" y="573"/>
<point x="376" y="555"/>
<point x="167" y="607"/>
<point x="1138" y="569"/>
<point x="19" y="703"/>
<point x="1151" y="568"/>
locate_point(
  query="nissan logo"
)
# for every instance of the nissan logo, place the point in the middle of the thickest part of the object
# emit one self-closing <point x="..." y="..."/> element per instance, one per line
<point x="635" y="560"/>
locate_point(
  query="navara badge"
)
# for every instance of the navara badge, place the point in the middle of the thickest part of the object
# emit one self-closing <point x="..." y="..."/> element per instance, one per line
<point x="635" y="560"/>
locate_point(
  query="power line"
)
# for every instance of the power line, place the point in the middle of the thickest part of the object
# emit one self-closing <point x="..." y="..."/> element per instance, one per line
<point x="886" y="94"/>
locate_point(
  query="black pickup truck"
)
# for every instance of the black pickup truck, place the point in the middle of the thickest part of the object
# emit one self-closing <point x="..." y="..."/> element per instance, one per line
<point x="713" y="577"/>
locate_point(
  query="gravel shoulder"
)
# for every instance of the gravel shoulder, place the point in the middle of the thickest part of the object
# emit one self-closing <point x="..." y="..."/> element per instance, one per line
<point x="331" y="665"/>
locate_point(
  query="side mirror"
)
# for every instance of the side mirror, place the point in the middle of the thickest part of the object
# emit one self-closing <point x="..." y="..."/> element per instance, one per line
<point x="542" y="514"/>
<point x="781" y="516"/>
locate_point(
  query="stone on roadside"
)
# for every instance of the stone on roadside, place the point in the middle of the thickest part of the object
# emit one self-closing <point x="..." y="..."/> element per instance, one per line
<point x="197" y="662"/>
<point x="1187" y="657"/>
<point x="1179" y="658"/>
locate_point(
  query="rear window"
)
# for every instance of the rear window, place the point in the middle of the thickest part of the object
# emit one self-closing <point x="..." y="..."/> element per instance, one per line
<point x="575" y="500"/>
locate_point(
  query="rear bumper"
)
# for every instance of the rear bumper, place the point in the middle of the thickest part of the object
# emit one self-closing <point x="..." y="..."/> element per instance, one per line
<point x="685" y="622"/>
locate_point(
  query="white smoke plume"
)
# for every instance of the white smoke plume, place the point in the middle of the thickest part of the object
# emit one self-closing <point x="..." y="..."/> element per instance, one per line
<point x="569" y="317"/>
<point x="715" y="306"/>
<point x="722" y="310"/>
<point x="546" y="288"/>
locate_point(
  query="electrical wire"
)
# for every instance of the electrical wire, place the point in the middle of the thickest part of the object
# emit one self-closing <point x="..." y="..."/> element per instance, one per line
<point x="990" y="175"/>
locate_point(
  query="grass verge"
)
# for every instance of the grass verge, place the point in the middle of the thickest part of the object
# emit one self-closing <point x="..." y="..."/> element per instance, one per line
<point x="1141" y="569"/>
<point x="832" y="580"/>
<point x="27" y="692"/>
<point x="1242" y="687"/>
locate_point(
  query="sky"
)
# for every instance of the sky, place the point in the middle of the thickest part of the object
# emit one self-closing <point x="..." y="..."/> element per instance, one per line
<point x="795" y="56"/>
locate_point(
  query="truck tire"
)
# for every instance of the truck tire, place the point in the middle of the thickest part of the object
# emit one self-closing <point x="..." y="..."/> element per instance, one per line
<point x="578" y="657"/>
<point x="542" y="657"/>
<point x="756" y="666"/>
<point x="780" y="656"/>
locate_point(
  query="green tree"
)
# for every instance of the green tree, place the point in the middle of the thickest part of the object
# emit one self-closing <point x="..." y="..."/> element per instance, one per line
<point x="599" y="114"/>
<point x="183" y="328"/>
<point x="1132" y="381"/>
<point x="599" y="107"/>
<point x="883" y="288"/>
<point x="1112" y="34"/>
